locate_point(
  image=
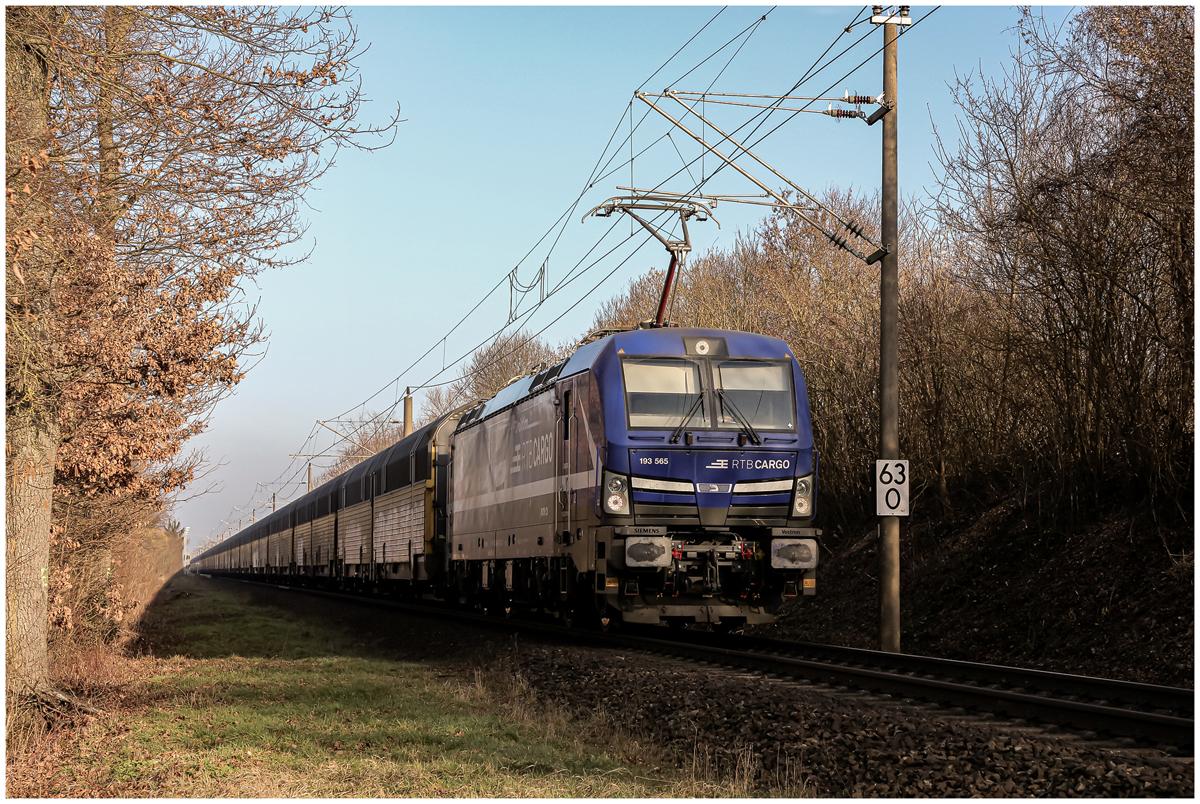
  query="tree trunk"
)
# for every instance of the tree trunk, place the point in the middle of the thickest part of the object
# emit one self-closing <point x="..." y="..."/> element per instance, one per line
<point x="32" y="450"/>
<point x="31" y="430"/>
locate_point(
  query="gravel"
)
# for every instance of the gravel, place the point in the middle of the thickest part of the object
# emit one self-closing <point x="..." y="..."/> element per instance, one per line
<point x="832" y="742"/>
<point x="839" y="742"/>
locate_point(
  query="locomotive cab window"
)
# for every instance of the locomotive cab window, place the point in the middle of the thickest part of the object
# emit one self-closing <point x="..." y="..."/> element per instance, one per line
<point x="759" y="391"/>
<point x="661" y="392"/>
<point x="667" y="392"/>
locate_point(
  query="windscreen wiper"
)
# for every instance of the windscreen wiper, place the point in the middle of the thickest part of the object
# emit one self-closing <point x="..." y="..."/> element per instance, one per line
<point x="691" y="412"/>
<point x="750" y="431"/>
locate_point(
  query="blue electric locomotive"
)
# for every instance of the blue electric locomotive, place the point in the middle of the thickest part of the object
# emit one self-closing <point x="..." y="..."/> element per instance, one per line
<point x="657" y="475"/>
<point x="668" y="474"/>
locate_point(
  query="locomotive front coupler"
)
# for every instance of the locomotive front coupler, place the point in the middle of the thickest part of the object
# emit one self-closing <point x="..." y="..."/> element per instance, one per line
<point x="654" y="548"/>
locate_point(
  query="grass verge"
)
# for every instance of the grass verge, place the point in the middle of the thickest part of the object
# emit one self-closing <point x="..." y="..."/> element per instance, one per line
<point x="257" y="704"/>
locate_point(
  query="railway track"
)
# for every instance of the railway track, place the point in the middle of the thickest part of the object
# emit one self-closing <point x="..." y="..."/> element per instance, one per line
<point x="1129" y="712"/>
<point x="1147" y="713"/>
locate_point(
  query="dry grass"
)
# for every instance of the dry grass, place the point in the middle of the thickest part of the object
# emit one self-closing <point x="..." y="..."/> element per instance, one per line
<point x="25" y="724"/>
<point x="94" y="671"/>
<point x="92" y="674"/>
<point x="321" y="723"/>
<point x="98" y="590"/>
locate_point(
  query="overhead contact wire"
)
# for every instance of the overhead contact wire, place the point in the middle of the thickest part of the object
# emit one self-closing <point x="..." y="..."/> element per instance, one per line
<point x="563" y="219"/>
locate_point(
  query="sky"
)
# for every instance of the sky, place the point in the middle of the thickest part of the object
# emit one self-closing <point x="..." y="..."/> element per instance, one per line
<point x="517" y="122"/>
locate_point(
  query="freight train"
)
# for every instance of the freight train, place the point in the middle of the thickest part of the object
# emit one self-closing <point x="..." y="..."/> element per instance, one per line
<point x="658" y="475"/>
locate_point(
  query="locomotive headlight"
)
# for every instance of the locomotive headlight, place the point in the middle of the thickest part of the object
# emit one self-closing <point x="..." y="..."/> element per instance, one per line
<point x="802" y="506"/>
<point x="616" y="494"/>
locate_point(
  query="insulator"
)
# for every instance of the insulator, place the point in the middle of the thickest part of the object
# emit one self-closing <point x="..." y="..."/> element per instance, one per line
<point x="841" y="113"/>
<point x="839" y="241"/>
<point x="857" y="99"/>
<point x="854" y="228"/>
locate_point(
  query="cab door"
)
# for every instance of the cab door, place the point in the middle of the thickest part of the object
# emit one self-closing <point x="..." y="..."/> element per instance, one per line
<point x="565" y="458"/>
<point x="584" y="452"/>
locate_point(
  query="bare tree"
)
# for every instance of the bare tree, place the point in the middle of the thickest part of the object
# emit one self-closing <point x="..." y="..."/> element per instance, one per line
<point x="1072" y="182"/>
<point x="639" y="302"/>
<point x="156" y="157"/>
<point x="368" y="434"/>
<point x="440" y="400"/>
<point x="489" y="369"/>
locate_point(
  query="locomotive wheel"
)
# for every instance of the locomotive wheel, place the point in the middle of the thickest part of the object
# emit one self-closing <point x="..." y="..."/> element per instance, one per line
<point x="606" y="617"/>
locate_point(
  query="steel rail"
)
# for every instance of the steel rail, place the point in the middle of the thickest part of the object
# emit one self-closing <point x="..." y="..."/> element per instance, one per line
<point x="1130" y="692"/>
<point x="1145" y="712"/>
<point x="947" y="687"/>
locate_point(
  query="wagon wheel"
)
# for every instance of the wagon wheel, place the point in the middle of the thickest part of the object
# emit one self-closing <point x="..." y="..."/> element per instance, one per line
<point x="567" y="617"/>
<point x="608" y="619"/>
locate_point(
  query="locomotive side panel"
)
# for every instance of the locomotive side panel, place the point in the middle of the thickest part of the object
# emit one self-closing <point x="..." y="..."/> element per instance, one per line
<point x="502" y="493"/>
<point x="580" y="438"/>
<point x="588" y="441"/>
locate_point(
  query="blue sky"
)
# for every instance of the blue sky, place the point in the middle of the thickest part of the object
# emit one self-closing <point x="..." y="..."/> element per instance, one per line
<point x="508" y="110"/>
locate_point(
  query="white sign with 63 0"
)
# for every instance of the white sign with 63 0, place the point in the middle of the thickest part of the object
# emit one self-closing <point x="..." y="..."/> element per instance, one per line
<point x="891" y="488"/>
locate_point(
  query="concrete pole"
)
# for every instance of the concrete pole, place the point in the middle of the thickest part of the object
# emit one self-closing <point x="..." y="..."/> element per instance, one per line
<point x="889" y="329"/>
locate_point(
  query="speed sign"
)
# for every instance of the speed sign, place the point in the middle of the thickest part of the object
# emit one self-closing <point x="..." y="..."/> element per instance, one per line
<point x="891" y="488"/>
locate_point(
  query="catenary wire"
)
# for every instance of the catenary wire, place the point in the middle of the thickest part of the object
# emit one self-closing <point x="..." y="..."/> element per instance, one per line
<point x="748" y="30"/>
<point x="565" y="217"/>
<point x="562" y="219"/>
<point x="766" y="113"/>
